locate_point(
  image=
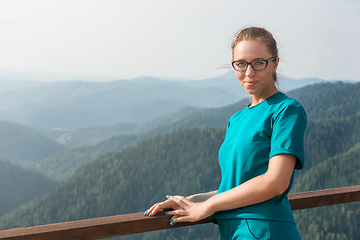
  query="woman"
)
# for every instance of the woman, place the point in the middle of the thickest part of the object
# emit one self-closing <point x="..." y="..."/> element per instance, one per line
<point x="262" y="147"/>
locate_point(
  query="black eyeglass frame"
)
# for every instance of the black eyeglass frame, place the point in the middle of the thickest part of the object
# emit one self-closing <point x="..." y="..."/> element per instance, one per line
<point x="250" y="63"/>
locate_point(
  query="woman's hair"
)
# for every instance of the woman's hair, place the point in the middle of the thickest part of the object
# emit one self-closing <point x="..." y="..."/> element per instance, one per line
<point x="257" y="34"/>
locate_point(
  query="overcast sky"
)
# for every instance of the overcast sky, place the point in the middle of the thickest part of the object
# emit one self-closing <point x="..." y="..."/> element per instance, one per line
<point x="117" y="39"/>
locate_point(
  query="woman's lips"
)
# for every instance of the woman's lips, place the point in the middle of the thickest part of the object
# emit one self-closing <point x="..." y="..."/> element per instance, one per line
<point x="250" y="83"/>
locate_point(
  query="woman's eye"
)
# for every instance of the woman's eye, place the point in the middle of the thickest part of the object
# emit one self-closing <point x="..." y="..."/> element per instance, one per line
<point x="259" y="63"/>
<point x="241" y="64"/>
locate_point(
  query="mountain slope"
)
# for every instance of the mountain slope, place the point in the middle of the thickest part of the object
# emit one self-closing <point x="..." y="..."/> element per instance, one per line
<point x="62" y="165"/>
<point x="335" y="103"/>
<point x="184" y="116"/>
<point x="183" y="119"/>
<point x="22" y="145"/>
<point x="87" y="104"/>
<point x="182" y="163"/>
<point x="80" y="137"/>
<point x="79" y="104"/>
<point x="332" y="222"/>
<point x="185" y="162"/>
<point x="131" y="180"/>
<point x="19" y="185"/>
<point x="327" y="137"/>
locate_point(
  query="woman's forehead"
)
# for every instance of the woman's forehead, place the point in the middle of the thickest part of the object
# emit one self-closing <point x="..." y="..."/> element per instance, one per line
<point x="250" y="50"/>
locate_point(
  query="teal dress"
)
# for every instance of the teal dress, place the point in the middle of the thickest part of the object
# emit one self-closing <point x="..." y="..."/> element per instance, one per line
<point x="254" y="135"/>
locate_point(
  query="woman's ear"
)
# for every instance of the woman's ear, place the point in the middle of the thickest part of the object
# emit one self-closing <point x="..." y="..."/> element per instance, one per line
<point x="276" y="63"/>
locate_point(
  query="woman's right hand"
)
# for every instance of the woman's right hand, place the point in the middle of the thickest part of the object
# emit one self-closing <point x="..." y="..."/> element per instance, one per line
<point x="161" y="206"/>
<point x="169" y="205"/>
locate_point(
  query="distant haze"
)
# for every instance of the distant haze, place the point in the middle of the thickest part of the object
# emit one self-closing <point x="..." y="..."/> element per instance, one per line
<point x="112" y="40"/>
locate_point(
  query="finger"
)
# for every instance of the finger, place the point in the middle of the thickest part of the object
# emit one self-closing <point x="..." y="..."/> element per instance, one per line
<point x="177" y="219"/>
<point x="150" y="212"/>
<point x="154" y="209"/>
<point x="179" y="212"/>
<point x="168" y="204"/>
<point x="185" y="200"/>
<point x="180" y="200"/>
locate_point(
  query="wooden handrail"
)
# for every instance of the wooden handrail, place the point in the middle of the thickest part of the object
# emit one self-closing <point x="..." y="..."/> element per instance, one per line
<point x="325" y="197"/>
<point x="112" y="226"/>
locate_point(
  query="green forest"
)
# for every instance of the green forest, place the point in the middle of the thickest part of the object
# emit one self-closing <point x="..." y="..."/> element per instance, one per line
<point x="24" y="146"/>
<point x="177" y="154"/>
<point x="19" y="185"/>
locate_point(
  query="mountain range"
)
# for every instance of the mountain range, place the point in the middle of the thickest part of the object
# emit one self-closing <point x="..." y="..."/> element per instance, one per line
<point x="66" y="105"/>
<point x="137" y="164"/>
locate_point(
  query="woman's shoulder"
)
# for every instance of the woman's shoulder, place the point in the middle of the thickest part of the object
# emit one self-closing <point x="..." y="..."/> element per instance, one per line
<point x="236" y="115"/>
<point x="285" y="105"/>
<point x="281" y="100"/>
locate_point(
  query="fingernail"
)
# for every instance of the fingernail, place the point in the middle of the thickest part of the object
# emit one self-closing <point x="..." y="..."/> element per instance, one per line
<point x="171" y="220"/>
<point x="168" y="196"/>
<point x="146" y="212"/>
<point x="172" y="223"/>
<point x="150" y="214"/>
<point x="166" y="212"/>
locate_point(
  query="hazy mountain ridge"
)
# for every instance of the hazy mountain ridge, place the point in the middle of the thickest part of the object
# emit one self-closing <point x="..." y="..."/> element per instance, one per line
<point x="91" y="104"/>
<point x="125" y="182"/>
<point x="80" y="137"/>
<point x="187" y="116"/>
<point x="22" y="145"/>
<point x="62" y="164"/>
<point x="19" y="185"/>
<point x="103" y="192"/>
<point x="85" y="104"/>
<point x="230" y="83"/>
<point x="65" y="163"/>
<point x="325" y="129"/>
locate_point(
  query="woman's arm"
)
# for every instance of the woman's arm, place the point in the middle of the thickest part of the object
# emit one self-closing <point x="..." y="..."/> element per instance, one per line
<point x="201" y="197"/>
<point x="274" y="182"/>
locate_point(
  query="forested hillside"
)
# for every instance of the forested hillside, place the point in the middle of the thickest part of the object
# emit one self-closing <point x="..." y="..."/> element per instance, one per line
<point x="19" y="185"/>
<point x="185" y="162"/>
<point x="341" y="222"/>
<point x="183" y="118"/>
<point x="62" y="165"/>
<point x="80" y="137"/>
<point x="22" y="145"/>
<point x="328" y="137"/>
<point x="334" y="104"/>
<point x="65" y="163"/>
<point x="132" y="180"/>
<point x="64" y="106"/>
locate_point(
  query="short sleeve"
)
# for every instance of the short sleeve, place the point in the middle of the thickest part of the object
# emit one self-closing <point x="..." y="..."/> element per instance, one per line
<point x="288" y="131"/>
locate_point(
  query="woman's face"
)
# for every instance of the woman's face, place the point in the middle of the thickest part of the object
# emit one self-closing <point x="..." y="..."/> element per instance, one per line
<point x="259" y="84"/>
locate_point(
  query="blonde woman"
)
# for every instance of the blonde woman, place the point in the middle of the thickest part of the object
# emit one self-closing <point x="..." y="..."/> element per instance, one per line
<point x="264" y="144"/>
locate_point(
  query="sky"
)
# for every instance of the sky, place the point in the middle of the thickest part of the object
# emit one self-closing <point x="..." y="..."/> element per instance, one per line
<point x="121" y="39"/>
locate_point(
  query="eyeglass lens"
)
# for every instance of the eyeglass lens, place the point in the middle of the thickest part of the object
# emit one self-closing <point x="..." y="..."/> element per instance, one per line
<point x="256" y="65"/>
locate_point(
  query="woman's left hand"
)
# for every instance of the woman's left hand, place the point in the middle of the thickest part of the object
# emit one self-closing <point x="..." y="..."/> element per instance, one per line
<point x="189" y="211"/>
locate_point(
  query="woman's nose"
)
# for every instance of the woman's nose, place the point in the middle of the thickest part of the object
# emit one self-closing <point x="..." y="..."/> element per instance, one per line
<point x="249" y="71"/>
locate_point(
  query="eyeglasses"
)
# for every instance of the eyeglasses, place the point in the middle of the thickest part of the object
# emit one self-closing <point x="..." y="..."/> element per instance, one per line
<point x="257" y="65"/>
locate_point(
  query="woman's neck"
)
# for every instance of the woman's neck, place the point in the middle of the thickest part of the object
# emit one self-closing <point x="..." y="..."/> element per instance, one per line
<point x="258" y="98"/>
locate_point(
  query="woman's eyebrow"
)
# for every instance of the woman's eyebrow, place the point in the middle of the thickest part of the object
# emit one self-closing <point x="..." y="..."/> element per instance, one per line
<point x="255" y="59"/>
<point x="258" y="59"/>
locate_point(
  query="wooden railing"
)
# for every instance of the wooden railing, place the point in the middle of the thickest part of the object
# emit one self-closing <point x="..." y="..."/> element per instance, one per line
<point x="105" y="227"/>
